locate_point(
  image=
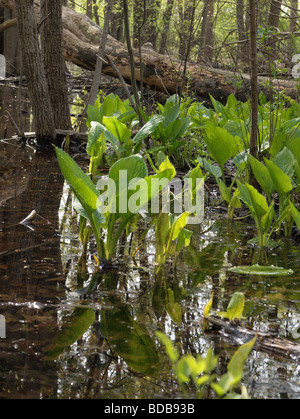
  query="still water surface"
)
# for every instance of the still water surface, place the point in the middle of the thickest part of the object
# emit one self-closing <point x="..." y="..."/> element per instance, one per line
<point x="48" y="306"/>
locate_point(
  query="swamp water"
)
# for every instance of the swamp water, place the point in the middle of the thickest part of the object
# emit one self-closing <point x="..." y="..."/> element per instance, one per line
<point x="74" y="331"/>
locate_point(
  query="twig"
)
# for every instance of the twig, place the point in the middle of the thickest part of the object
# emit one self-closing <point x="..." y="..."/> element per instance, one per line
<point x="120" y="77"/>
<point x="20" y="133"/>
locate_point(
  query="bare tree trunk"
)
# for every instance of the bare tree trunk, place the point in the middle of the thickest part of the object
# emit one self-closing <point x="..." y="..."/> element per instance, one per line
<point x="207" y="33"/>
<point x="274" y="13"/>
<point x="186" y="12"/>
<point x="89" y="8"/>
<point x="166" y="20"/>
<point x="240" y="10"/>
<point x="34" y="71"/>
<point x="101" y="53"/>
<point x="54" y="63"/>
<point x="117" y="24"/>
<point x="254" y="78"/>
<point x="273" y="22"/>
<point x="293" y="27"/>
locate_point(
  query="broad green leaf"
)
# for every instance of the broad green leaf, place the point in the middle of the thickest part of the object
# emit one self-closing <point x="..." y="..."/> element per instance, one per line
<point x="148" y="129"/>
<point x="261" y="270"/>
<point x="185" y="367"/>
<point x="237" y="362"/>
<point x="213" y="169"/>
<point x="162" y="233"/>
<point x="172" y="352"/>
<point x="170" y="115"/>
<point x="183" y="239"/>
<point x="129" y="339"/>
<point x="173" y="307"/>
<point x="80" y="183"/>
<point x="179" y="224"/>
<point x="208" y="306"/>
<point x="73" y="328"/>
<point x="220" y="144"/>
<point x="177" y="129"/>
<point x="282" y="182"/>
<point x="295" y="214"/>
<point x="256" y="202"/>
<point x="127" y="170"/>
<point x="117" y="128"/>
<point x="285" y="161"/>
<point x="94" y="114"/>
<point x="85" y="192"/>
<point x="225" y="192"/>
<point x="294" y="146"/>
<point x="262" y="175"/>
<point x="167" y="165"/>
<point x="235" y="308"/>
<point x="226" y="383"/>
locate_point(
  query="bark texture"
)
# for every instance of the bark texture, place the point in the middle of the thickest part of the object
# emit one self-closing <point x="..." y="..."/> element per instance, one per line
<point x="82" y="38"/>
<point x="34" y="71"/>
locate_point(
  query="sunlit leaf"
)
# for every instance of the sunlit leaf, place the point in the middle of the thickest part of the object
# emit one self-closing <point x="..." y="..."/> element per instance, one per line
<point x="172" y="352"/>
<point x="208" y="306"/>
<point x="235" y="308"/>
<point x="261" y="270"/>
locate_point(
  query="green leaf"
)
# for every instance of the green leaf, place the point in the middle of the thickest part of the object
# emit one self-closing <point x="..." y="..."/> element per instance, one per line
<point x="226" y="382"/>
<point x="117" y="129"/>
<point x="208" y="306"/>
<point x="237" y="362"/>
<point x="261" y="270"/>
<point x="86" y="193"/>
<point x="170" y="115"/>
<point x="262" y="175"/>
<point x="220" y="144"/>
<point x="95" y="133"/>
<point x="256" y="202"/>
<point x="129" y="339"/>
<point x="148" y="129"/>
<point x="235" y="308"/>
<point x="124" y="171"/>
<point x="295" y="214"/>
<point x="173" y="307"/>
<point x="285" y="161"/>
<point x="172" y="352"/>
<point x="73" y="328"/>
<point x="179" y="224"/>
<point x="185" y="367"/>
<point x="282" y="182"/>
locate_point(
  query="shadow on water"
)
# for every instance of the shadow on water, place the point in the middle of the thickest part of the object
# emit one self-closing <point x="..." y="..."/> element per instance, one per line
<point x="75" y="331"/>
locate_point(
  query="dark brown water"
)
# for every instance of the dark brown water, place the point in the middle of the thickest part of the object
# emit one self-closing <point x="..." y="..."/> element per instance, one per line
<point x="73" y="331"/>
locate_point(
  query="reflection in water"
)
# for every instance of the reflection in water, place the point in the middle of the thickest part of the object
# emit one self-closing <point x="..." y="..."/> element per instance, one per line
<point x="30" y="267"/>
<point x="78" y="332"/>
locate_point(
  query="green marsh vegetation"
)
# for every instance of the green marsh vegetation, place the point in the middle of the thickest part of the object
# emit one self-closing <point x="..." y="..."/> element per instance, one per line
<point x="211" y="144"/>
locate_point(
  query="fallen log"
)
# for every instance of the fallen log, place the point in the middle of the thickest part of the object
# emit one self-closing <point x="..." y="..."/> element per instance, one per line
<point x="265" y="342"/>
<point x="160" y="72"/>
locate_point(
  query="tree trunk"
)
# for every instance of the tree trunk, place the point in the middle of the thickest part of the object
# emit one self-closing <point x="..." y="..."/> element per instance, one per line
<point x="273" y="22"/>
<point x="166" y="20"/>
<point x="293" y="27"/>
<point x="82" y="38"/>
<point x="274" y="13"/>
<point x="54" y="63"/>
<point x="117" y="24"/>
<point x="101" y="53"/>
<point x="207" y="33"/>
<point x="186" y="10"/>
<point x="240" y="9"/>
<point x="254" y="86"/>
<point x="34" y="71"/>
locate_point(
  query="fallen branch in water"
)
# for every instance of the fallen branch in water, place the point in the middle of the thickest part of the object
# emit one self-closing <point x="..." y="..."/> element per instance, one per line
<point x="265" y="342"/>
